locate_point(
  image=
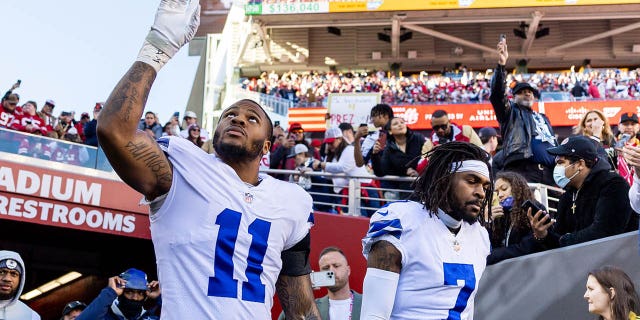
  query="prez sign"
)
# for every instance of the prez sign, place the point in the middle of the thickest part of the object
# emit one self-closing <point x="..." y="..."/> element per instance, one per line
<point x="352" y="108"/>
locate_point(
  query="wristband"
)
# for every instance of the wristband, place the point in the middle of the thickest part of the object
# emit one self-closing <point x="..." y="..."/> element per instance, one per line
<point x="152" y="56"/>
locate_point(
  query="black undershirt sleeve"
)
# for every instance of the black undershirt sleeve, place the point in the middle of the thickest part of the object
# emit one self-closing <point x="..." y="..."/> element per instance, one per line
<point x="295" y="260"/>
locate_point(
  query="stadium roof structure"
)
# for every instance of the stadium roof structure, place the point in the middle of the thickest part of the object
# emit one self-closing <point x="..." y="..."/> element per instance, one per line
<point x="544" y="37"/>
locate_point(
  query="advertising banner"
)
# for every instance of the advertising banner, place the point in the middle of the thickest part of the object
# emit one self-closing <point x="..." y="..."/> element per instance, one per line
<point x="478" y="115"/>
<point x="57" y="198"/>
<point x="258" y="7"/>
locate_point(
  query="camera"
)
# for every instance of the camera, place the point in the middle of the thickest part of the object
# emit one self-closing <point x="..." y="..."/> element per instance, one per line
<point x="323" y="279"/>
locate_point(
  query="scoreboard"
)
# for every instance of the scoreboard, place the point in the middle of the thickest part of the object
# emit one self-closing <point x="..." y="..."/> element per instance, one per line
<point x="268" y="7"/>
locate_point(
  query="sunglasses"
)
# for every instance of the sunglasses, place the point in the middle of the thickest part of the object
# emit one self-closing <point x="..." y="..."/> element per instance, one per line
<point x="297" y="131"/>
<point x="12" y="103"/>
<point x="440" y="126"/>
<point x="197" y="130"/>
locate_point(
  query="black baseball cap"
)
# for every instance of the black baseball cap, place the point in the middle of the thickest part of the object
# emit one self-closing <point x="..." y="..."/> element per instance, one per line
<point x="73" y="305"/>
<point x="525" y="85"/>
<point x="629" y="116"/>
<point x="576" y="146"/>
<point x="488" y="132"/>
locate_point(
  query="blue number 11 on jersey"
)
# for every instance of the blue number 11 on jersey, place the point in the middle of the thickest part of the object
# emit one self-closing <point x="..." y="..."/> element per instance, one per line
<point x="223" y="284"/>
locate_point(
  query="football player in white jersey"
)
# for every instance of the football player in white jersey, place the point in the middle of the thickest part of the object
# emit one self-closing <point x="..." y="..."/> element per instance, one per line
<point x="425" y="257"/>
<point x="226" y="238"/>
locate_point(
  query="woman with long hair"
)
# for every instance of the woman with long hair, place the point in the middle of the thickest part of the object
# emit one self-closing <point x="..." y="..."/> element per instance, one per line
<point x="594" y="124"/>
<point x="509" y="229"/>
<point x="400" y="156"/>
<point x="611" y="294"/>
<point x="194" y="135"/>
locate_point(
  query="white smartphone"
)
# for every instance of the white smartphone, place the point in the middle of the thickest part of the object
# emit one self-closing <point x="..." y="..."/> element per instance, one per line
<point x="322" y="279"/>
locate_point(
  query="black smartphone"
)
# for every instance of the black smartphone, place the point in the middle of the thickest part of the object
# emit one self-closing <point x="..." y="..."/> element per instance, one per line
<point x="502" y="37"/>
<point x="276" y="123"/>
<point x="363" y="125"/>
<point x="529" y="204"/>
<point x="19" y="81"/>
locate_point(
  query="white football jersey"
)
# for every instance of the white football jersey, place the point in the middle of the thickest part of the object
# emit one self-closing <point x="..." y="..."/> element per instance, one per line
<point x="440" y="271"/>
<point x="218" y="240"/>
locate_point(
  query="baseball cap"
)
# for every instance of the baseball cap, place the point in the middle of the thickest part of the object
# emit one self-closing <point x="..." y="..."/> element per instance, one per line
<point x="629" y="116"/>
<point x="487" y="132"/>
<point x="73" y="305"/>
<point x="300" y="148"/>
<point x="331" y="134"/>
<point x="65" y="113"/>
<point x="136" y="279"/>
<point x="525" y="85"/>
<point x="576" y="146"/>
<point x="84" y="115"/>
<point x="316" y="143"/>
<point x="50" y="102"/>
<point x="11" y="264"/>
<point x="190" y="114"/>
<point x="295" y="126"/>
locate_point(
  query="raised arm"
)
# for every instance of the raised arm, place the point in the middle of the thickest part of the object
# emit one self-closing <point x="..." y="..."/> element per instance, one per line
<point x="498" y="85"/>
<point x="135" y="156"/>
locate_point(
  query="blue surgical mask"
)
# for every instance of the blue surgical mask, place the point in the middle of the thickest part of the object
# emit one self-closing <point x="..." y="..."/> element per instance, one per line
<point x="507" y="203"/>
<point x="560" y="177"/>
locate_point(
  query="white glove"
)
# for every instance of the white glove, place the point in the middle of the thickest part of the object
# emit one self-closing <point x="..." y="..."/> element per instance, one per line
<point x="175" y="24"/>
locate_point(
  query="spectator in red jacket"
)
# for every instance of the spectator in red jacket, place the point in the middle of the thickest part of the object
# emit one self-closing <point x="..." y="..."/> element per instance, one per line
<point x="8" y="111"/>
<point x="29" y="121"/>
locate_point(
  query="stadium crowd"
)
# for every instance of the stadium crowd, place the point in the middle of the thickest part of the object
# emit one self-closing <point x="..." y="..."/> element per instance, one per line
<point x="46" y="129"/>
<point x="463" y="86"/>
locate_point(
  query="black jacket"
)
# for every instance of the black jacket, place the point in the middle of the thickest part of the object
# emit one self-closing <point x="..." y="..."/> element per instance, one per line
<point x="602" y="209"/>
<point x="516" y="122"/>
<point x="393" y="161"/>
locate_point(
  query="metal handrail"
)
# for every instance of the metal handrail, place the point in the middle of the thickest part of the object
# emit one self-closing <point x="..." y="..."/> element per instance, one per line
<point x="354" y="197"/>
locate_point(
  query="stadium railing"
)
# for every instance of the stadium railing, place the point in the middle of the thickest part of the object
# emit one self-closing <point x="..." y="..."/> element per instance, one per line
<point x="271" y="103"/>
<point x="547" y="195"/>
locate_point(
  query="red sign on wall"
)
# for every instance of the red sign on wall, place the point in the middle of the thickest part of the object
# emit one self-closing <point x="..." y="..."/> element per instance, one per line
<point x="58" y="198"/>
<point x="418" y="117"/>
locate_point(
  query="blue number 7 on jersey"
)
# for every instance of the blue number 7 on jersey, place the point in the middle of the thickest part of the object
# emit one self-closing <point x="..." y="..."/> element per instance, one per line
<point x="458" y="271"/>
<point x="223" y="284"/>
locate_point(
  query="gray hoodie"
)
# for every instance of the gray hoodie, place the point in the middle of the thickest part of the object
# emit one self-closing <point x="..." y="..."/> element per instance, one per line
<point x="14" y="309"/>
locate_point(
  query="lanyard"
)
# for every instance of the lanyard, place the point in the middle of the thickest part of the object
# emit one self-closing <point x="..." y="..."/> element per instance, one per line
<point x="350" y="307"/>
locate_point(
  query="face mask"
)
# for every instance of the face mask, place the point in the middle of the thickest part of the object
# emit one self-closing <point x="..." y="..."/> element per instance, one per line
<point x="130" y="308"/>
<point x="507" y="203"/>
<point x="560" y="177"/>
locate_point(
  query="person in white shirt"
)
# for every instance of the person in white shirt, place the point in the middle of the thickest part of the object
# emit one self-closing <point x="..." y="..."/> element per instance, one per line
<point x="340" y="303"/>
<point x="226" y="237"/>
<point x="425" y="257"/>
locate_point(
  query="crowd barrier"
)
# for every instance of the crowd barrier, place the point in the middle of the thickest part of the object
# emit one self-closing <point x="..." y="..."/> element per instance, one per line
<point x="325" y="198"/>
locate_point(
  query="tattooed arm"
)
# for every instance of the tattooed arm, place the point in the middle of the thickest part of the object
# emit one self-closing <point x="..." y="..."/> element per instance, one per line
<point x="384" y="263"/>
<point x="134" y="155"/>
<point x="296" y="297"/>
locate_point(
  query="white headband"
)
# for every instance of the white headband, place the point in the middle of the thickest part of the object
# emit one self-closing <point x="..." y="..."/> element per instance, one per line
<point x="476" y="166"/>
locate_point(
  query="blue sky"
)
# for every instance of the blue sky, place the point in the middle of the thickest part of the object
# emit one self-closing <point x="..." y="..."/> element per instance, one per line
<point x="75" y="51"/>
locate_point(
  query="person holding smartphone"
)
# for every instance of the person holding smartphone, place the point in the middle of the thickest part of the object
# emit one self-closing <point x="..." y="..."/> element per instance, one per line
<point x="595" y="203"/>
<point x="509" y="229"/>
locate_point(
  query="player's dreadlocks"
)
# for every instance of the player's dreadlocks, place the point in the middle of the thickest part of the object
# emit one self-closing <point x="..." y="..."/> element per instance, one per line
<point x="433" y="187"/>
